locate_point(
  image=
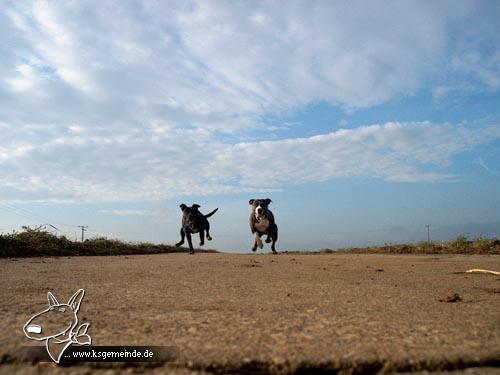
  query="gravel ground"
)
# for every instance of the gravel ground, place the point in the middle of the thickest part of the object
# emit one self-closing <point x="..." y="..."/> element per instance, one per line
<point x="267" y="314"/>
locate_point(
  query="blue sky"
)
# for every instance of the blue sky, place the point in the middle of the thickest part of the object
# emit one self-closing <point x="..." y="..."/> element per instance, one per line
<point x="362" y="121"/>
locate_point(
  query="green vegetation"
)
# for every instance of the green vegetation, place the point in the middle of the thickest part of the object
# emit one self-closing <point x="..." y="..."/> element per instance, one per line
<point x="33" y="242"/>
<point x="460" y="245"/>
<point x="36" y="242"/>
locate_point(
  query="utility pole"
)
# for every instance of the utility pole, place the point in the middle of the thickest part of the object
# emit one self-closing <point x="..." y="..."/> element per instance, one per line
<point x="84" y="228"/>
<point x="428" y="233"/>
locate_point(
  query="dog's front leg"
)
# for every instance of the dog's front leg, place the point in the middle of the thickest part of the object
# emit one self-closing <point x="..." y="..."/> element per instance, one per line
<point x="258" y="240"/>
<point x="190" y="242"/>
<point x="182" y="239"/>
<point x="255" y="245"/>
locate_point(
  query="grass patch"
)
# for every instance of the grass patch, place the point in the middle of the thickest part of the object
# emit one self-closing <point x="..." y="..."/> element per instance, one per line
<point x="34" y="242"/>
<point x="37" y="242"/>
<point x="459" y="245"/>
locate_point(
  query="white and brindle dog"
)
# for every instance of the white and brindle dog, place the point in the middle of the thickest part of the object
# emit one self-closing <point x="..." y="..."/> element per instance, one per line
<point x="262" y="222"/>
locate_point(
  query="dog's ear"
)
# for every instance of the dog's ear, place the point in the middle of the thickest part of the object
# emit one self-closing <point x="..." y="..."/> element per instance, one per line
<point x="195" y="207"/>
<point x="52" y="299"/>
<point x="251" y="201"/>
<point x="183" y="207"/>
<point x="75" y="300"/>
<point x="267" y="200"/>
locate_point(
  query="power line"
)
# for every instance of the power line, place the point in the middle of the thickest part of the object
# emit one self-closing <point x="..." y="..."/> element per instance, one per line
<point x="35" y="218"/>
<point x="45" y="226"/>
<point x="100" y="230"/>
<point x="20" y="210"/>
<point x="16" y="212"/>
<point x="30" y="215"/>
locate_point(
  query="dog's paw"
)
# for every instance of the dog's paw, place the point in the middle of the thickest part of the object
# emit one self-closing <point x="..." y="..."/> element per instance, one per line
<point x="191" y="252"/>
<point x="178" y="244"/>
<point x="268" y="240"/>
<point x="254" y="248"/>
<point x="209" y="238"/>
<point x="202" y="243"/>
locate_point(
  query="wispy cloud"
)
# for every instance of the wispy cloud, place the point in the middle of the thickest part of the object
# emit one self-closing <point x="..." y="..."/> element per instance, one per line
<point x="481" y="162"/>
<point x="149" y="165"/>
<point x="127" y="212"/>
<point x="224" y="65"/>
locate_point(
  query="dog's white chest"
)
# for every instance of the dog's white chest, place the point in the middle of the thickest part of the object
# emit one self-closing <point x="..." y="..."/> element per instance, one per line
<point x="262" y="224"/>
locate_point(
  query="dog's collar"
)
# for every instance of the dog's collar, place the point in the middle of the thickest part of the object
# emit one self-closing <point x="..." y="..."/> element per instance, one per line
<point x="79" y="336"/>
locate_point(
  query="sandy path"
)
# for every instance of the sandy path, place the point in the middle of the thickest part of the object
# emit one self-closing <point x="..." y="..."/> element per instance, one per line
<point x="284" y="313"/>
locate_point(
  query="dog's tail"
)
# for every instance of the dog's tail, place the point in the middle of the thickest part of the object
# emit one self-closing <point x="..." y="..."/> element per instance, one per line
<point x="211" y="213"/>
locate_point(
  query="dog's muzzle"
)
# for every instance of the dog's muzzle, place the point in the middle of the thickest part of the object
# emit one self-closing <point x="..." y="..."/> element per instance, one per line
<point x="192" y="226"/>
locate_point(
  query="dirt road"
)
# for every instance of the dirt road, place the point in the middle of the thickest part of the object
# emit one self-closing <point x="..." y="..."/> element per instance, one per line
<point x="265" y="313"/>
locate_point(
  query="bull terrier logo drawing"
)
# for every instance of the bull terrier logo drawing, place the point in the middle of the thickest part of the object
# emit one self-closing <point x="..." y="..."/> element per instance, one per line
<point x="58" y="326"/>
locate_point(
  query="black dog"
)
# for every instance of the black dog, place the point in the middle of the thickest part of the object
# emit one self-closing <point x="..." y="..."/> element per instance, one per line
<point x="262" y="222"/>
<point x="193" y="221"/>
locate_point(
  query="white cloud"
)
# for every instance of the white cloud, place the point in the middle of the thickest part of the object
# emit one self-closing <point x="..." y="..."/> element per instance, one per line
<point x="473" y="63"/>
<point x="393" y="151"/>
<point x="143" y="100"/>
<point x="126" y="212"/>
<point x="485" y="69"/>
<point x="225" y="65"/>
<point x="345" y="55"/>
<point x="343" y="123"/>
<point x="135" y="166"/>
